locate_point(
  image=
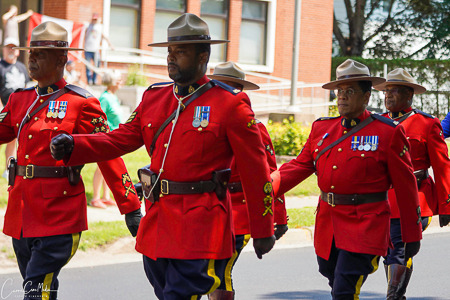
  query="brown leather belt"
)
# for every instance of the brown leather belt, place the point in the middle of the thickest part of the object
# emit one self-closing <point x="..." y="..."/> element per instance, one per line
<point x="32" y="171"/>
<point x="172" y="187"/>
<point x="235" y="187"/>
<point x="353" y="199"/>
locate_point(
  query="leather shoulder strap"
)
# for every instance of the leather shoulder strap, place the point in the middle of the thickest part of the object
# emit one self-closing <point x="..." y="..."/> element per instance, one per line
<point x="202" y="90"/>
<point x="352" y="131"/>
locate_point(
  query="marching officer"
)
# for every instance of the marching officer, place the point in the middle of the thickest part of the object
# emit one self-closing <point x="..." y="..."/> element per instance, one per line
<point x="46" y="209"/>
<point x="357" y="157"/>
<point x="187" y="234"/>
<point x="428" y="148"/>
<point x="231" y="74"/>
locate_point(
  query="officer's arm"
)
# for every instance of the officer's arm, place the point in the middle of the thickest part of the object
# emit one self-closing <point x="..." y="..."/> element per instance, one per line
<point x="446" y="125"/>
<point x="7" y="133"/>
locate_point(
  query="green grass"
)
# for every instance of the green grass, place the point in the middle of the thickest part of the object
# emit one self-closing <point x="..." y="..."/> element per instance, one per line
<point x="102" y="233"/>
<point x="306" y="188"/>
<point x="301" y="217"/>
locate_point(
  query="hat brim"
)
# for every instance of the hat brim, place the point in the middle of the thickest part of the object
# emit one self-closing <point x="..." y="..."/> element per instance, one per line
<point x="50" y="48"/>
<point x="165" y="44"/>
<point x="418" y="89"/>
<point x="247" y="85"/>
<point x="333" y="85"/>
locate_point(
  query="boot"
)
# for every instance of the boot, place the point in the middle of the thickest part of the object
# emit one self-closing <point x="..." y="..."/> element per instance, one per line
<point x="221" y="295"/>
<point x="396" y="273"/>
<point x="401" y="290"/>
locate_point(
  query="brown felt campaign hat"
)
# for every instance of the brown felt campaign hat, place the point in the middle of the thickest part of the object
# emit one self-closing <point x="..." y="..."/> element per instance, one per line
<point x="350" y="71"/>
<point x="229" y="71"/>
<point x="49" y="35"/>
<point x="401" y="77"/>
<point x="188" y="29"/>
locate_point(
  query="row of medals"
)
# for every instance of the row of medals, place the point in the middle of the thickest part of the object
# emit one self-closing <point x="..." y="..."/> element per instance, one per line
<point x="197" y="123"/>
<point x="366" y="147"/>
<point x="52" y="113"/>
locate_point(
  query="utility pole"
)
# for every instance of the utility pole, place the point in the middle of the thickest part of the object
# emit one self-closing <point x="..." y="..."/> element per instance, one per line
<point x="295" y="53"/>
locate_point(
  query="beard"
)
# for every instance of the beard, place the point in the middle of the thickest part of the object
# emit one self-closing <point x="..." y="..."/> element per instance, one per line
<point x="184" y="75"/>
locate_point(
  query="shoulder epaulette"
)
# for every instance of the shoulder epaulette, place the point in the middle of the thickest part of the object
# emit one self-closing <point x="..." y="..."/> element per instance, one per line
<point x="226" y="87"/>
<point x="327" y="118"/>
<point x="25" y="89"/>
<point x="423" y="113"/>
<point x="79" y="90"/>
<point x="160" y="84"/>
<point x="385" y="120"/>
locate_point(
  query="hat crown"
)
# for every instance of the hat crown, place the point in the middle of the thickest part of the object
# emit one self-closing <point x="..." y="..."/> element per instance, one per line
<point x="49" y="31"/>
<point x="398" y="76"/>
<point x="188" y="25"/>
<point x="229" y="69"/>
<point x="351" y="68"/>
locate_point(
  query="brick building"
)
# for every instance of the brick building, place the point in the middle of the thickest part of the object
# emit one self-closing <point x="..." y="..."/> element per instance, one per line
<point x="260" y="33"/>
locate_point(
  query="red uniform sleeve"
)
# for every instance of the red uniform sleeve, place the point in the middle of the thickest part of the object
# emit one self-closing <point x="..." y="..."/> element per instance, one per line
<point x="280" y="215"/>
<point x="438" y="153"/>
<point x="245" y="140"/>
<point x="6" y="128"/>
<point x="93" y="120"/>
<point x="404" y="183"/>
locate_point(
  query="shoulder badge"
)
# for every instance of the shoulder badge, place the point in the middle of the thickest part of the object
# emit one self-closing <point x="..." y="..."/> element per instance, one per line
<point x="131" y="118"/>
<point x="79" y="90"/>
<point x="385" y="120"/>
<point x="423" y="113"/>
<point x="160" y="84"/>
<point x="327" y="118"/>
<point x="25" y="89"/>
<point x="226" y="87"/>
<point x="3" y="116"/>
<point x="269" y="149"/>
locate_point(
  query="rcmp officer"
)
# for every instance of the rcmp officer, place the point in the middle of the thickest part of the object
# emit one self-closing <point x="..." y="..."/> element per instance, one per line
<point x="186" y="235"/>
<point x="47" y="203"/>
<point x="231" y="74"/>
<point x="356" y="157"/>
<point x="428" y="148"/>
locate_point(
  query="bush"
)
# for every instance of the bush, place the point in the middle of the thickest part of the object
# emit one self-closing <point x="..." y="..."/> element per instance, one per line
<point x="135" y="77"/>
<point x="288" y="137"/>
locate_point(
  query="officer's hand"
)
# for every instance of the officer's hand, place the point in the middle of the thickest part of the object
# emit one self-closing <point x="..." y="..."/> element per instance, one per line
<point x="138" y="188"/>
<point x="61" y="145"/>
<point x="263" y="246"/>
<point x="444" y="220"/>
<point x="411" y="249"/>
<point x="132" y="220"/>
<point x="280" y="230"/>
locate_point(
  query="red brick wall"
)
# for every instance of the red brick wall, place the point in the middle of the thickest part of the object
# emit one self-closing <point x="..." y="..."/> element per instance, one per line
<point x="234" y="30"/>
<point x="194" y="7"/>
<point x="147" y="16"/>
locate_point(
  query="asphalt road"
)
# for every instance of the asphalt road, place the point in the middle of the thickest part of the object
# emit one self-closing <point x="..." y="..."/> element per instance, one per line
<point x="282" y="274"/>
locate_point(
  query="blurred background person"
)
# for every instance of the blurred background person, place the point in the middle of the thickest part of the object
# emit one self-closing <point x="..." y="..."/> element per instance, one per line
<point x="11" y="21"/>
<point x="111" y="106"/>
<point x="71" y="75"/>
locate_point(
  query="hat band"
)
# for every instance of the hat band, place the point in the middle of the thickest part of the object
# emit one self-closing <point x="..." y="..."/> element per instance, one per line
<point x="226" y="75"/>
<point x="352" y="76"/>
<point x="399" y="80"/>
<point x="57" y="44"/>
<point x="189" y="38"/>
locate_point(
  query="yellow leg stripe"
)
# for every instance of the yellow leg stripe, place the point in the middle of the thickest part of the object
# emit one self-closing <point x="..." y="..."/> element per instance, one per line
<point x="75" y="243"/>
<point x="230" y="263"/>
<point x="409" y="263"/>
<point x="375" y="264"/>
<point x="358" y="288"/>
<point x="428" y="224"/>
<point x="246" y="239"/>
<point x="195" y="297"/>
<point x="212" y="273"/>
<point x="46" y="286"/>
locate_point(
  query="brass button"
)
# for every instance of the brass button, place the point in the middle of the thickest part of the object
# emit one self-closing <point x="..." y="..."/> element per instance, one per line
<point x="173" y="121"/>
<point x="24" y="177"/>
<point x="165" y="145"/>
<point x="345" y="131"/>
<point x="243" y="201"/>
<point x="334" y="167"/>
<point x="317" y="150"/>
<point x="149" y="125"/>
<point x="65" y="193"/>
<point x="332" y="187"/>
<point x="407" y="137"/>
<point x="200" y="129"/>
<point x="340" y="150"/>
<point x="161" y="195"/>
<point x="42" y="100"/>
<point x="36" y="118"/>
<point x="56" y="128"/>
<point x="362" y="155"/>
<point x="17" y="125"/>
<point x="27" y="156"/>
<point x="30" y="136"/>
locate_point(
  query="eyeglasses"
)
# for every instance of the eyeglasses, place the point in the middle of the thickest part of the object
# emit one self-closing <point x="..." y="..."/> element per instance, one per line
<point x="348" y="92"/>
<point x="393" y="91"/>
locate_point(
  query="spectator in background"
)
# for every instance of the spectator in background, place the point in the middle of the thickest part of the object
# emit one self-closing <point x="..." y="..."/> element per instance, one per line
<point x="111" y="106"/>
<point x="71" y="75"/>
<point x="92" y="41"/>
<point x="13" y="75"/>
<point x="11" y="22"/>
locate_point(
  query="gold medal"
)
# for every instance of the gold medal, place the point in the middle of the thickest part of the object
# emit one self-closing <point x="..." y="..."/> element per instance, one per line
<point x="49" y="114"/>
<point x="204" y="123"/>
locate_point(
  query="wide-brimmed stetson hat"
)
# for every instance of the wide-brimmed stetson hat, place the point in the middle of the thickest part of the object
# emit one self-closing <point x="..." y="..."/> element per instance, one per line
<point x="350" y="71"/>
<point x="401" y="77"/>
<point x="229" y="71"/>
<point x="49" y="35"/>
<point x="188" y="29"/>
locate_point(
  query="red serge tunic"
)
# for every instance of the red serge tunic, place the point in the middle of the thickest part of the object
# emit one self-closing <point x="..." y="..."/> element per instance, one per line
<point x="240" y="212"/>
<point x="360" y="228"/>
<point x="196" y="226"/>
<point x="428" y="148"/>
<point x="51" y="206"/>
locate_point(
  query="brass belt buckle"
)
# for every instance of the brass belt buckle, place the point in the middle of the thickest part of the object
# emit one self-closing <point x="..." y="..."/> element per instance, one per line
<point x="330" y="199"/>
<point x="29" y="171"/>
<point x="164" y="187"/>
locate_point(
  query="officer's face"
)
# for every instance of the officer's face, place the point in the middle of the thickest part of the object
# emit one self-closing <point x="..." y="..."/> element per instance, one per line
<point x="397" y="97"/>
<point x="351" y="100"/>
<point x="44" y="65"/>
<point x="184" y="64"/>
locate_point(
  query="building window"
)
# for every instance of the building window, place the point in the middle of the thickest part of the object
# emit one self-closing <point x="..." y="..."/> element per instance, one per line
<point x="166" y="12"/>
<point x="125" y="23"/>
<point x="252" y="43"/>
<point x="215" y="14"/>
